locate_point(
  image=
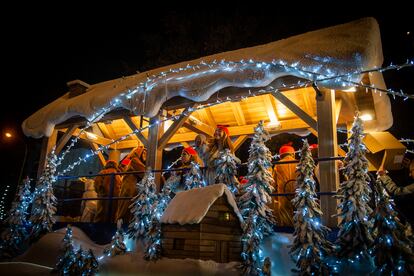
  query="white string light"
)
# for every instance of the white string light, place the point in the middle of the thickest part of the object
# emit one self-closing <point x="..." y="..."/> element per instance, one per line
<point x="227" y="66"/>
<point x="3" y="203"/>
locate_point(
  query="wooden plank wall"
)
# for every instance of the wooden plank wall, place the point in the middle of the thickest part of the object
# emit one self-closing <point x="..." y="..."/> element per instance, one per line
<point x="212" y="239"/>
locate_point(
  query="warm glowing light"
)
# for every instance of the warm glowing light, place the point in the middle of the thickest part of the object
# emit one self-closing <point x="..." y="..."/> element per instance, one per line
<point x="366" y="117"/>
<point x="167" y="124"/>
<point x="91" y="136"/>
<point x="8" y="135"/>
<point x="352" y="89"/>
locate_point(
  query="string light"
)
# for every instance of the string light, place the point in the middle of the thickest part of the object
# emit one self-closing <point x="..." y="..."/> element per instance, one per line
<point x="203" y="68"/>
<point x="3" y="203"/>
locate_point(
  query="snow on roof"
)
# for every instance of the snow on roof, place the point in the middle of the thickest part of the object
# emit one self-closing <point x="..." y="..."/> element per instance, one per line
<point x="335" y="50"/>
<point x="191" y="206"/>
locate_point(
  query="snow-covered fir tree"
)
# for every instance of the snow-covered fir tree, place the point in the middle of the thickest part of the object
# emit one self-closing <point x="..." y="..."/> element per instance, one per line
<point x="153" y="237"/>
<point x="90" y="264"/>
<point x="258" y="216"/>
<point x="310" y="244"/>
<point x="142" y="206"/>
<point x="117" y="246"/>
<point x="44" y="201"/>
<point x="393" y="247"/>
<point x="256" y="193"/>
<point x="15" y="235"/>
<point x="194" y="177"/>
<point x="354" y="237"/>
<point x="153" y="240"/>
<point x="251" y="240"/>
<point x="226" y="170"/>
<point x="67" y="261"/>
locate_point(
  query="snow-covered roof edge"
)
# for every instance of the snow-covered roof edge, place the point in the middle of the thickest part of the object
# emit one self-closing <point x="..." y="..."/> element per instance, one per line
<point x="190" y="207"/>
<point x="335" y="50"/>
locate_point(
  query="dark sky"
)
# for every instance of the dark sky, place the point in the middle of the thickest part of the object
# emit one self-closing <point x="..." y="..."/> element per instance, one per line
<point x="43" y="51"/>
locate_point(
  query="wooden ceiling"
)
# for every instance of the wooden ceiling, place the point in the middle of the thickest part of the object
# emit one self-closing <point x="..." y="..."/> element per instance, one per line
<point x="241" y="118"/>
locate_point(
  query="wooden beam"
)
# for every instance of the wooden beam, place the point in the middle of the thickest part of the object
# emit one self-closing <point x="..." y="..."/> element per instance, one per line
<point x="270" y="109"/>
<point x="107" y="133"/>
<point x="327" y="147"/>
<point x="154" y="152"/>
<point x="133" y="127"/>
<point x="338" y="105"/>
<point x="238" y="113"/>
<point x="98" y="139"/>
<point x="308" y="105"/>
<point x="199" y="127"/>
<point x="294" y="124"/>
<point x="47" y="145"/>
<point x="173" y="128"/>
<point x="239" y="141"/>
<point x="127" y="144"/>
<point x="207" y="117"/>
<point x="295" y="109"/>
<point x="100" y="155"/>
<point x="341" y="152"/>
<point x="65" y="138"/>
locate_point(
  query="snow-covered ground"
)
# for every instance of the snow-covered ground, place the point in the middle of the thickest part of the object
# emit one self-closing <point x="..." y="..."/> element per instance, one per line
<point x="42" y="256"/>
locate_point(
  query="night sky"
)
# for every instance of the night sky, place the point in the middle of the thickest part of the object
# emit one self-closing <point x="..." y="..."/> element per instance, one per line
<point x="47" y="50"/>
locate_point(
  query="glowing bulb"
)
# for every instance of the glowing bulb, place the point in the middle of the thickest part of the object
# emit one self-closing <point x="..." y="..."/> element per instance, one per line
<point x="8" y="135"/>
<point x="366" y="117"/>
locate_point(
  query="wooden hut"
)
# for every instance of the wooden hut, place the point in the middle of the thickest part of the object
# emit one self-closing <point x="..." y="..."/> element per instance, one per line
<point x="246" y="86"/>
<point x="202" y="223"/>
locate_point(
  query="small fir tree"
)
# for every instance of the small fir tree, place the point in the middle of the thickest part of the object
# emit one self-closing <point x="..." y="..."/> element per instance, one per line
<point x="226" y="170"/>
<point x="251" y="240"/>
<point x="141" y="208"/>
<point x="90" y="264"/>
<point x="392" y="248"/>
<point x="15" y="235"/>
<point x="44" y="201"/>
<point x="310" y="244"/>
<point x="354" y="237"/>
<point x="259" y="186"/>
<point x="117" y="246"/>
<point x="153" y="243"/>
<point x="253" y="203"/>
<point x="67" y="261"/>
<point x="194" y="177"/>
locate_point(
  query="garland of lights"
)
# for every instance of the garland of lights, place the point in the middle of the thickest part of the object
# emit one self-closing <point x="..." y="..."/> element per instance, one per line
<point x="2" y="203"/>
<point x="147" y="86"/>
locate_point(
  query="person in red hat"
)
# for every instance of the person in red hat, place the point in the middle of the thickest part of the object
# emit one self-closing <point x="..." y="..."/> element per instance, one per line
<point x="285" y="182"/>
<point x="209" y="150"/>
<point x="134" y="162"/>
<point x="188" y="155"/>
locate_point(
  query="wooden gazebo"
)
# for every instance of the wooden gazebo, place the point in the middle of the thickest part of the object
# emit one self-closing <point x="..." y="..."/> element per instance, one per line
<point x="248" y="85"/>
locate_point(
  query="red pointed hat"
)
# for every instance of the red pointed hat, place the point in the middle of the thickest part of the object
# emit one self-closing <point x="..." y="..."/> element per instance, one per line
<point x="190" y="151"/>
<point x="287" y="148"/>
<point x="224" y="128"/>
<point x="313" y="146"/>
<point x="126" y="161"/>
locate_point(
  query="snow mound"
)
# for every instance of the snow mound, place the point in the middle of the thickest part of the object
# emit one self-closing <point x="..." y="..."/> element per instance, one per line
<point x="191" y="206"/>
<point x="47" y="250"/>
<point x="21" y="268"/>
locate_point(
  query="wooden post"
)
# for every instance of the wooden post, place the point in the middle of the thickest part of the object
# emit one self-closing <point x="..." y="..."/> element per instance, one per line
<point x="47" y="144"/>
<point x="327" y="141"/>
<point x="154" y="154"/>
<point x="114" y="155"/>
